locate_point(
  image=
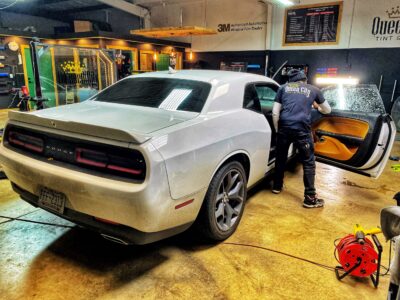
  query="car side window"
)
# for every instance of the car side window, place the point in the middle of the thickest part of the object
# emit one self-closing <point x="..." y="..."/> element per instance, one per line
<point x="251" y="100"/>
<point x="266" y="94"/>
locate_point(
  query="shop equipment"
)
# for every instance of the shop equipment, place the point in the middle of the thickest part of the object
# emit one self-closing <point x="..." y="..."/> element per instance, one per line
<point x="390" y="222"/>
<point x="358" y="256"/>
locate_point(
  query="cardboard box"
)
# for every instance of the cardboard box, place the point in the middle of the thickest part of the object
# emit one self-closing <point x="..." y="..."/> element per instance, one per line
<point x="83" y="26"/>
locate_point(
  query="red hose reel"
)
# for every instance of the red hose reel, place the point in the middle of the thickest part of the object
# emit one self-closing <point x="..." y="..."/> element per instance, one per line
<point x="359" y="257"/>
<point x="351" y="252"/>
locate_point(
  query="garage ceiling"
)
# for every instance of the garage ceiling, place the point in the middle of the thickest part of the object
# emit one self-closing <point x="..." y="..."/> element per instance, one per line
<point x="44" y="7"/>
<point x="60" y="9"/>
<point x="71" y="6"/>
<point x="152" y="3"/>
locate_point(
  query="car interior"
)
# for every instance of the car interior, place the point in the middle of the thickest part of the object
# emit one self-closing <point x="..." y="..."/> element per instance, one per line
<point x="341" y="136"/>
<point x="345" y="136"/>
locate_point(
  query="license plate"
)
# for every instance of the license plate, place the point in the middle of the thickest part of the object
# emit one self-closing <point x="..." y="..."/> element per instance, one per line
<point x="52" y="200"/>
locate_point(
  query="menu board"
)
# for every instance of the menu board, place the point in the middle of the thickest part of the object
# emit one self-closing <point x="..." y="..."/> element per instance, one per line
<point x="317" y="24"/>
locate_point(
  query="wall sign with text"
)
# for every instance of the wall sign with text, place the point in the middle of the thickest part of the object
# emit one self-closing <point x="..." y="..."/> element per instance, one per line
<point x="317" y="24"/>
<point x="387" y="28"/>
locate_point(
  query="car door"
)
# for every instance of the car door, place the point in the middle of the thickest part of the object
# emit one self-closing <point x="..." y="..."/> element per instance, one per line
<point x="266" y="92"/>
<point x="357" y="135"/>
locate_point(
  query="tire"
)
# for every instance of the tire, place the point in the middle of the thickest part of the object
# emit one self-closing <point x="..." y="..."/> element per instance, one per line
<point x="224" y="203"/>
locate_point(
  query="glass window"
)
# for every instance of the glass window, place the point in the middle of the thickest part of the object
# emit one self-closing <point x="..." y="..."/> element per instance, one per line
<point x="360" y="98"/>
<point x="251" y="100"/>
<point x="163" y="93"/>
<point x="266" y="94"/>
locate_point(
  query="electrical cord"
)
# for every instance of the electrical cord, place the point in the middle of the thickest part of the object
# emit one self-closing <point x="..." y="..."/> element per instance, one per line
<point x="35" y="222"/>
<point x="28" y="213"/>
<point x="335" y="250"/>
<point x="329" y="268"/>
<point x="390" y="261"/>
<point x="307" y="260"/>
<point x="282" y="253"/>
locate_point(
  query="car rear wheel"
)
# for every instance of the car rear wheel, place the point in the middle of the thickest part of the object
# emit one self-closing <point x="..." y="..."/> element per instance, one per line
<point x="224" y="203"/>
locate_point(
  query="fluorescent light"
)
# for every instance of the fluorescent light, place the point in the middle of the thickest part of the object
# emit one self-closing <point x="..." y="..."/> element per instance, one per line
<point x="286" y="2"/>
<point x="280" y="2"/>
<point x="337" y="80"/>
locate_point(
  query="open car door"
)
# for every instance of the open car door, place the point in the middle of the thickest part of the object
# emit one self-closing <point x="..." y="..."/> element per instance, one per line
<point x="358" y="135"/>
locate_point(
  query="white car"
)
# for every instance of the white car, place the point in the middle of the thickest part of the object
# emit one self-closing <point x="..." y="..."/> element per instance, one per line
<point x="154" y="153"/>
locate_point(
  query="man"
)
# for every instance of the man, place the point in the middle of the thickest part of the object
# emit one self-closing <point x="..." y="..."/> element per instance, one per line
<point x="292" y="121"/>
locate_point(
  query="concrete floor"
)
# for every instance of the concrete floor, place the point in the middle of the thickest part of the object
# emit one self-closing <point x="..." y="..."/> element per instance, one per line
<point x="3" y="116"/>
<point x="44" y="262"/>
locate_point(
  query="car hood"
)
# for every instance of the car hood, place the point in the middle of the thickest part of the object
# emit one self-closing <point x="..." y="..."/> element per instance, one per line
<point x="116" y="121"/>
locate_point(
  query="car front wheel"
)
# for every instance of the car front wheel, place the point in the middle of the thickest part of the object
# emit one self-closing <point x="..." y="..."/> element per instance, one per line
<point x="224" y="203"/>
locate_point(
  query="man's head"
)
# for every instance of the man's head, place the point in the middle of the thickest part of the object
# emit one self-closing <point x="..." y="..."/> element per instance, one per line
<point x="297" y="75"/>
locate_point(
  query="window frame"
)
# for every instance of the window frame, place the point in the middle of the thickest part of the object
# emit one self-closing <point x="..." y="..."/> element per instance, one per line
<point x="205" y="87"/>
<point x="252" y="84"/>
<point x="268" y="84"/>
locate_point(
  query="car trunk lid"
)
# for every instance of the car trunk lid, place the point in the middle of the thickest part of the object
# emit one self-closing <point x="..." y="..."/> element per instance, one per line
<point x="113" y="121"/>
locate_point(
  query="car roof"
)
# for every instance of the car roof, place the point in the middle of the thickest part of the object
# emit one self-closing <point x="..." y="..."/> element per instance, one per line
<point x="207" y="76"/>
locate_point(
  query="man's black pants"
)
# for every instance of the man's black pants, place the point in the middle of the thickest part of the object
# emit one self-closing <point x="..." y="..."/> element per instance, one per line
<point x="302" y="140"/>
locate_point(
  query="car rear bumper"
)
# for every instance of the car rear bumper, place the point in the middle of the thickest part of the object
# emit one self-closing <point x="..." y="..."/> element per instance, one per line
<point x="141" y="209"/>
<point x="118" y="233"/>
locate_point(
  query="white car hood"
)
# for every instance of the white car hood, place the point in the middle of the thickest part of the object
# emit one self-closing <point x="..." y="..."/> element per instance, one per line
<point x="109" y="120"/>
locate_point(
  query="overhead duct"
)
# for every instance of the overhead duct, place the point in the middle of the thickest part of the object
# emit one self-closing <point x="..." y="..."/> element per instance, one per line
<point x="130" y="8"/>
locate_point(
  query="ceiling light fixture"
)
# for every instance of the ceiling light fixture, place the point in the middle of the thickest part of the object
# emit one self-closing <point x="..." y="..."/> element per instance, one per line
<point x="280" y="2"/>
<point x="286" y="2"/>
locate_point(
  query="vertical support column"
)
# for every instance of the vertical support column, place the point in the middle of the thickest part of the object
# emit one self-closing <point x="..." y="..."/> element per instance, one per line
<point x="53" y="67"/>
<point x="77" y="65"/>
<point x="35" y="66"/>
<point x="99" y="71"/>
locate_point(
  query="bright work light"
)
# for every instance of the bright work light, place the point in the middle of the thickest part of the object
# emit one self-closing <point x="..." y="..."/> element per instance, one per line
<point x="280" y="2"/>
<point x="337" y="80"/>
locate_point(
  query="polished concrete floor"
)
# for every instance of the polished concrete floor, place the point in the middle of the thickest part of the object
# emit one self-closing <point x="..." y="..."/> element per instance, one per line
<point x="3" y="116"/>
<point x="47" y="262"/>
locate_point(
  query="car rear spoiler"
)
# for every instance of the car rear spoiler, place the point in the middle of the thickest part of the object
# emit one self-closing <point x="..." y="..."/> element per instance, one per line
<point x="82" y="128"/>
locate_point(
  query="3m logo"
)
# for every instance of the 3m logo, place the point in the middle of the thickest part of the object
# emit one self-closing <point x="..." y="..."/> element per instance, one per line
<point x="224" y="27"/>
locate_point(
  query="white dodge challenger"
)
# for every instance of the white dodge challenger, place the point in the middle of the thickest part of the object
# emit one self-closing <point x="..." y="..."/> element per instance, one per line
<point x="154" y="153"/>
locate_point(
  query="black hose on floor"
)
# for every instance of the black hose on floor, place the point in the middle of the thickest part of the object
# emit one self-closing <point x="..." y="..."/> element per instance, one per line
<point x="301" y="258"/>
<point x="35" y="222"/>
<point x="329" y="268"/>
<point x="282" y="253"/>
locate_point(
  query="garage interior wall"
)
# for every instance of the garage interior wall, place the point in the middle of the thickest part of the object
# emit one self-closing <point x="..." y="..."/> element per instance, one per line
<point x="19" y="22"/>
<point x="359" y="53"/>
<point x="121" y="22"/>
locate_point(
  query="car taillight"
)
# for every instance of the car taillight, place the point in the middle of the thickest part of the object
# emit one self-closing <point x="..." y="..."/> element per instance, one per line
<point x="91" y="158"/>
<point x="25" y="141"/>
<point x="104" y="160"/>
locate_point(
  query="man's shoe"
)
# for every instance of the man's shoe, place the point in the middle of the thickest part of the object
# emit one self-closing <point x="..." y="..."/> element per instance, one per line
<point x="276" y="191"/>
<point x="312" y="202"/>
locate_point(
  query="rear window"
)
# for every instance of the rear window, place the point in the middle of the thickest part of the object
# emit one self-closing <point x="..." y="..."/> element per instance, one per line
<point x="163" y="93"/>
<point x="360" y="98"/>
